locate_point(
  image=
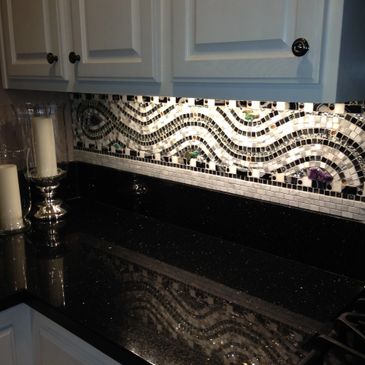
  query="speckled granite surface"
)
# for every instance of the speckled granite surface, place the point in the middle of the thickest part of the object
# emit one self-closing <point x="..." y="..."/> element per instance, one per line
<point x="149" y="271"/>
<point x="141" y="289"/>
<point x="315" y="239"/>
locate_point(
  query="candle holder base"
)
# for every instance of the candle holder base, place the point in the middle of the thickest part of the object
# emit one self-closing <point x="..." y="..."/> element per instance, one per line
<point x="23" y="228"/>
<point x="49" y="208"/>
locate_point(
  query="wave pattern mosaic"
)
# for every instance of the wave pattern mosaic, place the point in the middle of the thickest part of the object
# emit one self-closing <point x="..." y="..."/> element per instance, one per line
<point x="317" y="148"/>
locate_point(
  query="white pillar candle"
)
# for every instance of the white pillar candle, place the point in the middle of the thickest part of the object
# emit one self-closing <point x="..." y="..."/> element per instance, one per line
<point x="45" y="147"/>
<point x="11" y="216"/>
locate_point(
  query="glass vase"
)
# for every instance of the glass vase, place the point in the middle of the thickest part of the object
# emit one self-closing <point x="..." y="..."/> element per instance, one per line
<point x="15" y="201"/>
<point x="47" y="163"/>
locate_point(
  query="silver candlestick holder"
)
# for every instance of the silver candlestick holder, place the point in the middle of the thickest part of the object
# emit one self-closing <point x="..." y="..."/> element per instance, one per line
<point x="49" y="208"/>
<point x="48" y="158"/>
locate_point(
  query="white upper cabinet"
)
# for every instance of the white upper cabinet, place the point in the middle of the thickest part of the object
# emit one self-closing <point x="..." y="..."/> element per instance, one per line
<point x="278" y="50"/>
<point x="115" y="42"/>
<point x="117" y="39"/>
<point x="247" y="41"/>
<point x="251" y="49"/>
<point x="33" y="39"/>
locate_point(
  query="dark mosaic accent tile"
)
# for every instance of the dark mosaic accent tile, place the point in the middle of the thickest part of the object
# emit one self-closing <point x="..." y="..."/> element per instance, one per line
<point x="350" y="190"/>
<point x="293" y="106"/>
<point x="243" y="103"/>
<point x="219" y="102"/>
<point x="354" y="109"/>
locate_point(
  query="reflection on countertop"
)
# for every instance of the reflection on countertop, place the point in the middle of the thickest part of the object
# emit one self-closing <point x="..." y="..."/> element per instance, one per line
<point x="168" y="294"/>
<point x="158" y="311"/>
<point x="14" y="262"/>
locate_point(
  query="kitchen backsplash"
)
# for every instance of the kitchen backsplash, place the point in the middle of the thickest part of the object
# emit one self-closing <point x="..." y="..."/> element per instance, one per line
<point x="310" y="156"/>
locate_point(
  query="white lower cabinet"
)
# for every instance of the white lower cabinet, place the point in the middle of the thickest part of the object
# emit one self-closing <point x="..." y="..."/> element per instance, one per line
<point x="29" y="338"/>
<point x="7" y="348"/>
<point x="16" y="336"/>
<point x="53" y="345"/>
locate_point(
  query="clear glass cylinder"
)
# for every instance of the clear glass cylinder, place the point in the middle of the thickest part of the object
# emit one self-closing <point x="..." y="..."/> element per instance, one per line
<point x="14" y="131"/>
<point x="15" y="201"/>
<point x="48" y="161"/>
<point x="48" y="138"/>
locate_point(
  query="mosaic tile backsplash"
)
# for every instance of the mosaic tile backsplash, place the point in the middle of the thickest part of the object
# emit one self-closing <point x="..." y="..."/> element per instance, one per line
<point x="307" y="155"/>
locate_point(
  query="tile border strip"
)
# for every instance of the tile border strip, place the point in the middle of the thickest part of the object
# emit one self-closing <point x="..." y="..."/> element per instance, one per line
<point x="337" y="206"/>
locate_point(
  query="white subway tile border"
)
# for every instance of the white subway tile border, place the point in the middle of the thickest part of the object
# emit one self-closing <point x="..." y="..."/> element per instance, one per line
<point x="326" y="204"/>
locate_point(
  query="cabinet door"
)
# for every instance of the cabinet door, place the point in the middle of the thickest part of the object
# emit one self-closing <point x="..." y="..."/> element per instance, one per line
<point x="117" y="40"/>
<point x="246" y="40"/>
<point x="32" y="29"/>
<point x="53" y="345"/>
<point x="15" y="336"/>
<point x="7" y="347"/>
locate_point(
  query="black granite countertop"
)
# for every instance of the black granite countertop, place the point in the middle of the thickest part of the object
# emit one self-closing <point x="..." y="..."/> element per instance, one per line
<point x="146" y="290"/>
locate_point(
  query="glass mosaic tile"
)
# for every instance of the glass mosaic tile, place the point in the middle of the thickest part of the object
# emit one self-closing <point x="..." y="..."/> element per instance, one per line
<point x="276" y="143"/>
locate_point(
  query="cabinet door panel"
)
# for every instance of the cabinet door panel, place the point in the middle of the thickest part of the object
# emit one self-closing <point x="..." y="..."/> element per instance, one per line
<point x="15" y="336"/>
<point x="7" y="348"/>
<point x="31" y="30"/>
<point x="246" y="41"/>
<point x="238" y="22"/>
<point x="118" y="41"/>
<point x="115" y="28"/>
<point x="54" y="345"/>
<point x="51" y="353"/>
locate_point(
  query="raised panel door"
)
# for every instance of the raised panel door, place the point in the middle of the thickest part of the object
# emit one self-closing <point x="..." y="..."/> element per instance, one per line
<point x="233" y="41"/>
<point x="15" y="336"/>
<point x="7" y="346"/>
<point x="32" y="29"/>
<point x="51" y="353"/>
<point x="118" y="41"/>
<point x="54" y="345"/>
